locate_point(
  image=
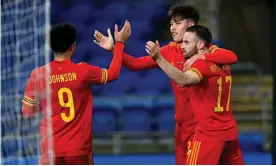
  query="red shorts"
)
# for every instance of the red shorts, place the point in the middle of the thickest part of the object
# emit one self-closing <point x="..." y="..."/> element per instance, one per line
<point x="68" y="160"/>
<point x="182" y="140"/>
<point x="214" y="153"/>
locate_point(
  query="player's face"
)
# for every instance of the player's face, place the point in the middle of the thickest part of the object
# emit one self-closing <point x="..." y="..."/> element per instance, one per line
<point x="189" y="45"/>
<point x="178" y="28"/>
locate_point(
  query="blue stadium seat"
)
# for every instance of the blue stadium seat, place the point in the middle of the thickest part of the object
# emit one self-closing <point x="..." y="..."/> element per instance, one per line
<point x="9" y="147"/>
<point x="164" y="109"/>
<point x="81" y="31"/>
<point x="93" y="50"/>
<point x="30" y="146"/>
<point x="83" y="2"/>
<point x="29" y="127"/>
<point x="7" y="86"/>
<point x="80" y="52"/>
<point x="73" y="14"/>
<point x="136" y="115"/>
<point x="104" y="121"/>
<point x="141" y="28"/>
<point x="120" y="86"/>
<point x="141" y="12"/>
<point x="97" y="89"/>
<point x="87" y="33"/>
<point x="8" y="122"/>
<point x="251" y="141"/>
<point x="155" y="82"/>
<point x="22" y="85"/>
<point x="5" y="64"/>
<point x="101" y="58"/>
<point x="63" y="16"/>
<point x="102" y="26"/>
<point x="115" y="10"/>
<point x="99" y="16"/>
<point x="85" y="51"/>
<point x="105" y="114"/>
<point x="26" y="65"/>
<point x="55" y="9"/>
<point x="136" y="48"/>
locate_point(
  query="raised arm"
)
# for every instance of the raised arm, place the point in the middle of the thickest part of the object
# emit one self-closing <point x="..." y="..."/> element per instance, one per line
<point x="221" y="56"/>
<point x="113" y="72"/>
<point x="145" y="62"/>
<point x="97" y="75"/>
<point x="217" y="55"/>
<point x="102" y="76"/>
<point x="130" y="62"/>
<point x="180" y="77"/>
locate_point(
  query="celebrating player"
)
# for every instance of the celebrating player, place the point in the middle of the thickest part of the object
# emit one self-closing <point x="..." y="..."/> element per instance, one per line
<point x="181" y="17"/>
<point x="70" y="98"/>
<point x="216" y="134"/>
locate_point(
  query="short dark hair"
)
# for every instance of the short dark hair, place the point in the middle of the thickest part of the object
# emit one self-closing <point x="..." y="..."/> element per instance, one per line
<point x="62" y="36"/>
<point x="180" y="12"/>
<point x="202" y="32"/>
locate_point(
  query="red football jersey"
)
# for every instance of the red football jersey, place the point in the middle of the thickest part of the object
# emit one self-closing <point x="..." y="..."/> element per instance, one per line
<point x="211" y="102"/>
<point x="173" y="54"/>
<point x="70" y="102"/>
<point x="183" y="112"/>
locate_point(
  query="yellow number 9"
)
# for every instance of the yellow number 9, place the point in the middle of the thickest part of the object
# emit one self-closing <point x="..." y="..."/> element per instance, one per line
<point x="69" y="104"/>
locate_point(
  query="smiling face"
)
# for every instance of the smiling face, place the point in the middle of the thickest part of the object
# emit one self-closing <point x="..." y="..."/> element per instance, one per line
<point x="196" y="40"/>
<point x="192" y="44"/>
<point x="178" y="28"/>
<point x="189" y="45"/>
<point x="181" y="17"/>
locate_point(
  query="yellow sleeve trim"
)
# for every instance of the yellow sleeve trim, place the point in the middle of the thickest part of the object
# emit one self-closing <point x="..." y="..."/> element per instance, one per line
<point x="194" y="70"/>
<point x="104" y="76"/>
<point x="27" y="103"/>
<point x="28" y="98"/>
<point x="213" y="48"/>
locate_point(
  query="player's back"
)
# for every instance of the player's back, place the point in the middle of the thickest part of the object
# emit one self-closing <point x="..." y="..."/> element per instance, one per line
<point x="71" y="105"/>
<point x="212" y="103"/>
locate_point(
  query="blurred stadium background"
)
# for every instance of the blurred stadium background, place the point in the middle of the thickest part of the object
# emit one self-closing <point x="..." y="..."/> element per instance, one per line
<point x="133" y="119"/>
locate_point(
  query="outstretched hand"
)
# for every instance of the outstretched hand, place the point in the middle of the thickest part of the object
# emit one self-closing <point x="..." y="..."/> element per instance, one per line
<point x="153" y="49"/>
<point x="106" y="42"/>
<point x="124" y="33"/>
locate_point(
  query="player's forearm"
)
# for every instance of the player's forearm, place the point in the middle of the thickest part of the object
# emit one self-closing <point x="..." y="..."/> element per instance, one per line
<point x="222" y="57"/>
<point x="29" y="111"/>
<point x="175" y="74"/>
<point x="113" y="72"/>
<point x="135" y="64"/>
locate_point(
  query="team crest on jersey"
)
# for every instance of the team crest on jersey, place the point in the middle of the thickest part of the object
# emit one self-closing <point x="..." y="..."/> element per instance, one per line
<point x="172" y="44"/>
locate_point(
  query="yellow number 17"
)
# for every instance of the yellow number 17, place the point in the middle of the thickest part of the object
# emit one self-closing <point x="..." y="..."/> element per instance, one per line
<point x="69" y="104"/>
<point x="219" y="108"/>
